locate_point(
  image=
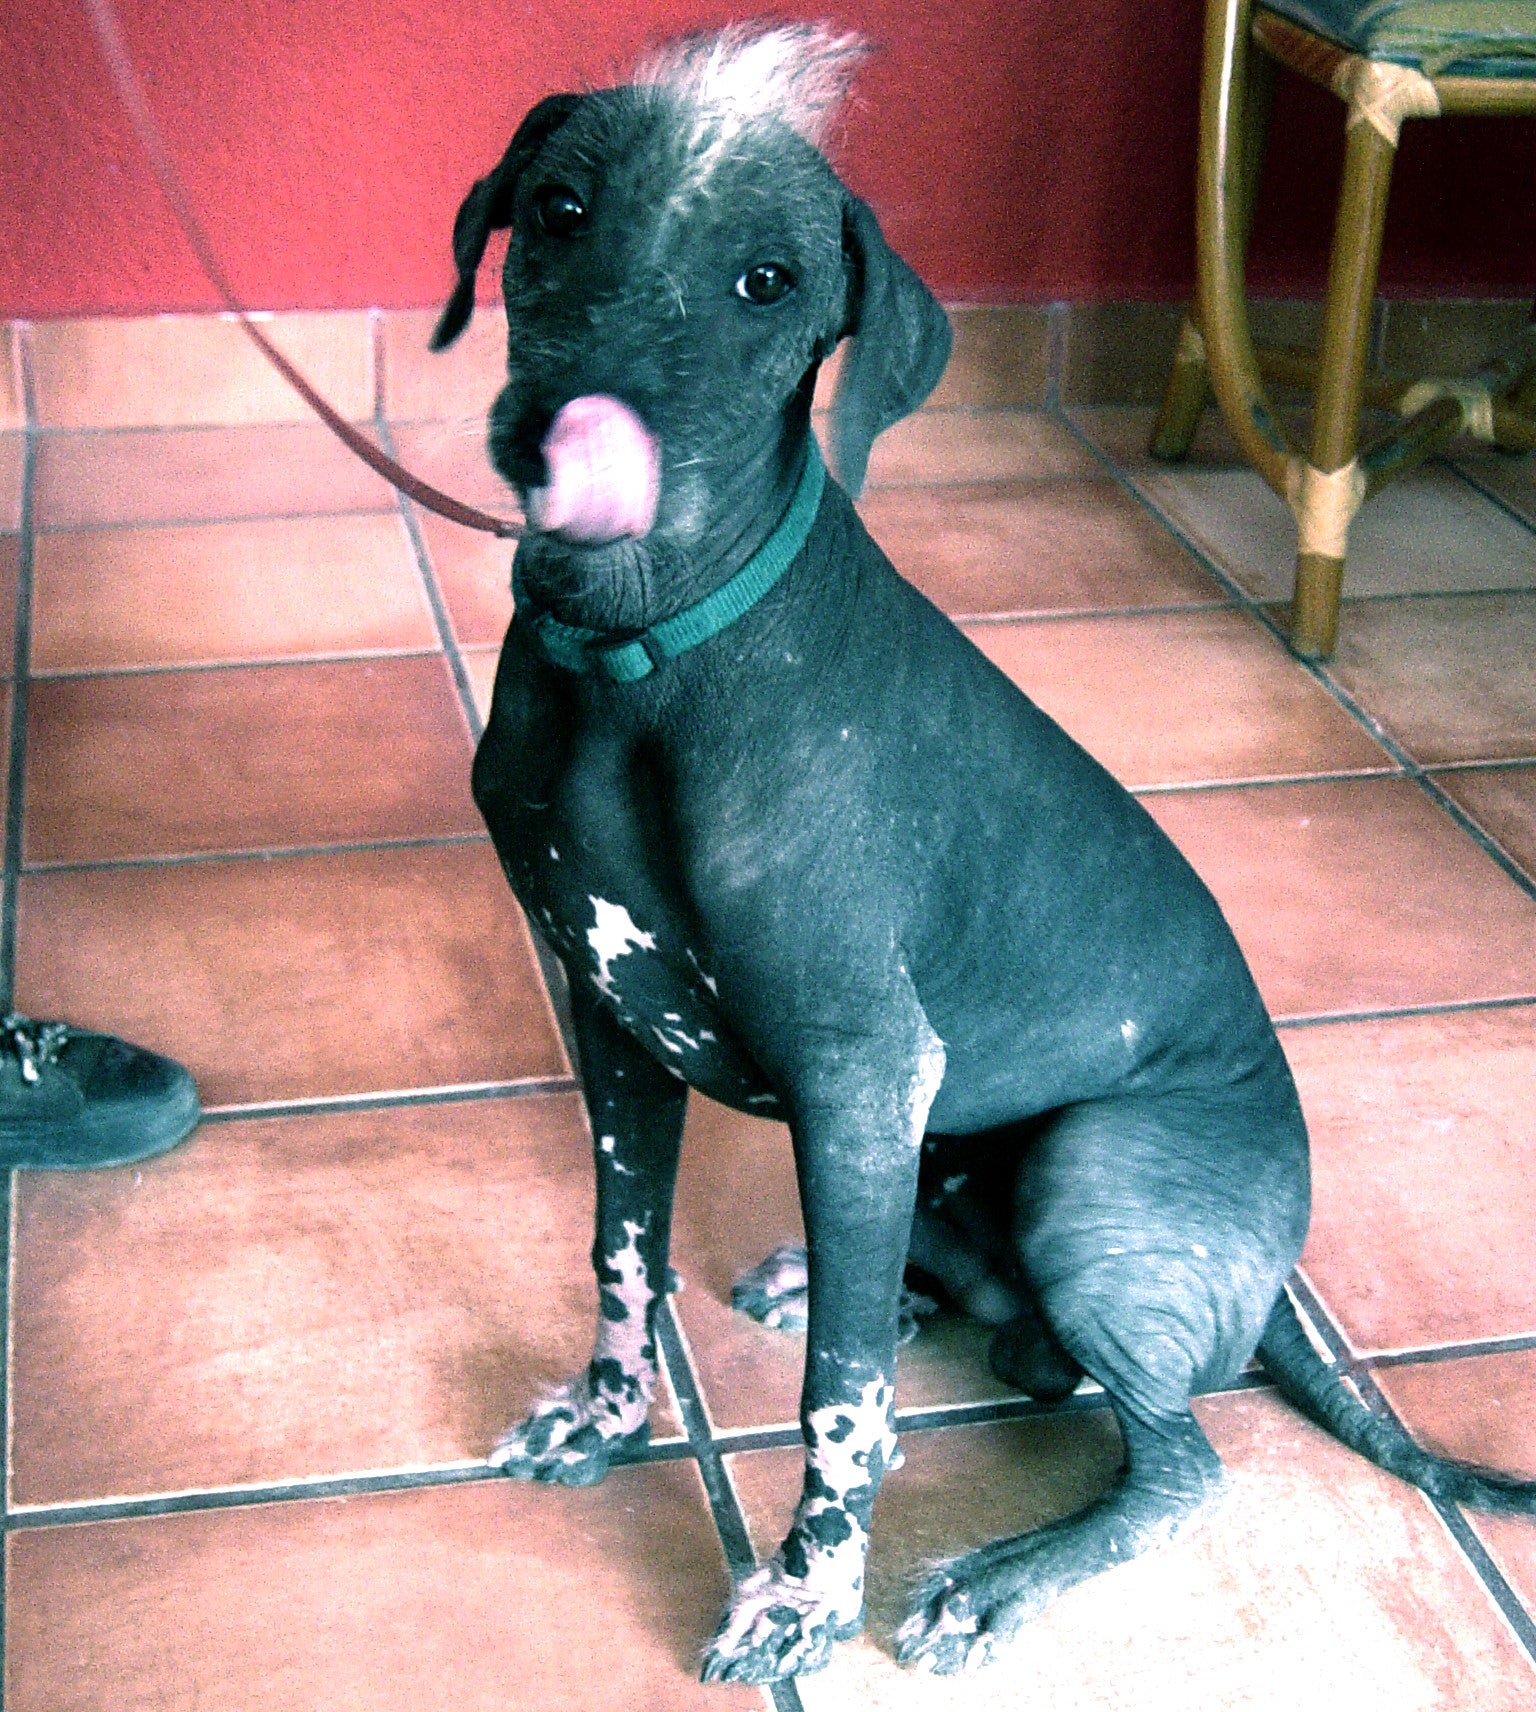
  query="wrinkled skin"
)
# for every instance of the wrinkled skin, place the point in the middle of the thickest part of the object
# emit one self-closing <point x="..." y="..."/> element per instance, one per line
<point x="831" y="866"/>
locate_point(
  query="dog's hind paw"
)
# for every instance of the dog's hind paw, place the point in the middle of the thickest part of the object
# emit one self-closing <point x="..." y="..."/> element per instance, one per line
<point x="775" y="1627"/>
<point x="775" y="1291"/>
<point x="946" y="1634"/>
<point x="563" y="1442"/>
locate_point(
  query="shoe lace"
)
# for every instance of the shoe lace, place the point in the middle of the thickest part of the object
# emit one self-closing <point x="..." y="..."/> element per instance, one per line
<point x="34" y="1043"/>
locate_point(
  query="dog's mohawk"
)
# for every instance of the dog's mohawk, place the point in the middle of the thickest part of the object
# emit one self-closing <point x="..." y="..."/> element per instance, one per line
<point x="799" y="74"/>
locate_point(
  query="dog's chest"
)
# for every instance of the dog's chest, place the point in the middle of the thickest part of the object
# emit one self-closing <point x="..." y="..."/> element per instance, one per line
<point x="620" y="938"/>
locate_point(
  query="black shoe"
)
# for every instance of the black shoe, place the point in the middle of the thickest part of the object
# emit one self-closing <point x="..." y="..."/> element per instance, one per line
<point x="71" y="1100"/>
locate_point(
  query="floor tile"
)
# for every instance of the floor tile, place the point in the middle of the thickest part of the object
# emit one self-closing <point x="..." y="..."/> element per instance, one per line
<point x="10" y="567"/>
<point x="1321" y="1582"/>
<point x="1482" y="1410"/>
<point x="202" y="592"/>
<point x="458" y="1598"/>
<point x="481" y="664"/>
<point x="474" y="573"/>
<point x="1119" y="353"/>
<point x="12" y="462"/>
<point x="1502" y="800"/>
<point x="1124" y="432"/>
<point x="247" y="758"/>
<point x="1449" y="678"/>
<point x="737" y="1201"/>
<point x="12" y="405"/>
<point x="177" y="475"/>
<point x="439" y="386"/>
<point x="1069" y="544"/>
<point x="302" y="1296"/>
<point x="170" y="370"/>
<point x="298" y="976"/>
<point x="1195" y="696"/>
<point x="977" y="446"/>
<point x="1428" y="533"/>
<point x="452" y="456"/>
<point x="1511" y="480"/>
<point x="1435" y="337"/>
<point x="1356" y="894"/>
<point x="998" y="359"/>
<point x="1422" y="1196"/>
<point x="6" y="703"/>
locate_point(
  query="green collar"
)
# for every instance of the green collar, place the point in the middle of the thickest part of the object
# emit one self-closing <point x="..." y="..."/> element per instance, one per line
<point x="627" y="660"/>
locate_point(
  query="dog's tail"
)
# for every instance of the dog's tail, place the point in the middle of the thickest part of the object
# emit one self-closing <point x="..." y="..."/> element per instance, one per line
<point x="1307" y="1381"/>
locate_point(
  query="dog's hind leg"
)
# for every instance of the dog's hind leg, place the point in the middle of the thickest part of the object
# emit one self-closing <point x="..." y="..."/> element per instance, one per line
<point x="636" y="1109"/>
<point x="1156" y="1279"/>
<point x="974" y="1604"/>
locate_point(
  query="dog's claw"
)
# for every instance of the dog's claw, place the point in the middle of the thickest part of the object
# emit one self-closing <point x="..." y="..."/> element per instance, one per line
<point x="946" y="1634"/>
<point x="775" y="1291"/>
<point x="774" y="1627"/>
<point x="561" y="1443"/>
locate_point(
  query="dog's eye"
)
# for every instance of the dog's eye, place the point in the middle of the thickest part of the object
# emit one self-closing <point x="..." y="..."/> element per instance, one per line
<point x="765" y="283"/>
<point x="559" y="211"/>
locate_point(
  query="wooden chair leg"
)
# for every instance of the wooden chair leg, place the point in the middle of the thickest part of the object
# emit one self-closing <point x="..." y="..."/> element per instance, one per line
<point x="1189" y="390"/>
<point x="1331" y="487"/>
<point x="1184" y="398"/>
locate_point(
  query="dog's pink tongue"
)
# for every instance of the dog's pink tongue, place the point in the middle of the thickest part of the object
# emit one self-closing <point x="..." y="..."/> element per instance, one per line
<point x="604" y="471"/>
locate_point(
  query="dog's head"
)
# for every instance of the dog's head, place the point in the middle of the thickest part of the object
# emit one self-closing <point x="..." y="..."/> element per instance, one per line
<point x="682" y="257"/>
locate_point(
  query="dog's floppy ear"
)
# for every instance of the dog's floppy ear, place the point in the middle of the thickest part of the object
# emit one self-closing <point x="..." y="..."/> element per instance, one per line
<point x="899" y="342"/>
<point x="488" y="208"/>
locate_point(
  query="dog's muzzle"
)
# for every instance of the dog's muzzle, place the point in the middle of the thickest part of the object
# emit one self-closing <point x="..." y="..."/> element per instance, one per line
<point x="603" y="474"/>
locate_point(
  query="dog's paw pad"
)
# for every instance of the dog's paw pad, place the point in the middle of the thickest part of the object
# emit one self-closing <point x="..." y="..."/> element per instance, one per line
<point x="775" y="1291"/>
<point x="775" y="1627"/>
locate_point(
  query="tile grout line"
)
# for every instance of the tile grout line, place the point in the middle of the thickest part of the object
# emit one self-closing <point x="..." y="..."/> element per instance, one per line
<point x="20" y="685"/>
<point x="268" y="853"/>
<point x="203" y="1500"/>
<point x="1315" y="669"/>
<point x="7" y="1425"/>
<point x="253" y="663"/>
<point x="22" y="336"/>
<point x="1389" y="1013"/>
<point x="453" y="1093"/>
<point x="217" y="520"/>
<point x="1494" y="498"/>
<point x="550" y="969"/>
<point x="1476" y="1555"/>
<point x="724" y="1505"/>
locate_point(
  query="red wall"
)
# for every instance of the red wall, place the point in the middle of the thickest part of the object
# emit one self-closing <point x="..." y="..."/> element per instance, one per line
<point x="1022" y="151"/>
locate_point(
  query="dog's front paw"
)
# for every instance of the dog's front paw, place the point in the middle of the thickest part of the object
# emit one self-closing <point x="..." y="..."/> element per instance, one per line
<point x="775" y="1291"/>
<point x="566" y="1439"/>
<point x="776" y="1626"/>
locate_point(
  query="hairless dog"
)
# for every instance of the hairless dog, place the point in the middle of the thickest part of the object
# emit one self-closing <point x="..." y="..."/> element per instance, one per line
<point x="800" y="846"/>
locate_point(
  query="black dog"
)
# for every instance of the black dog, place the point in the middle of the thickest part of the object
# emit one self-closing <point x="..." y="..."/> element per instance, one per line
<point x="799" y="846"/>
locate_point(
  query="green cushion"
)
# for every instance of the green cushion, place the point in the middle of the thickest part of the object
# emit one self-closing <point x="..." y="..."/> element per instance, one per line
<point x="1476" y="38"/>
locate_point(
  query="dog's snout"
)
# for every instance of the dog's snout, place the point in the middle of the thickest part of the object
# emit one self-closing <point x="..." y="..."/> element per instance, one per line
<point x="602" y="473"/>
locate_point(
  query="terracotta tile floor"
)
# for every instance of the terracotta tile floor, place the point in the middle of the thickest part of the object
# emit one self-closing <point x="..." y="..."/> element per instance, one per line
<point x="251" y="1384"/>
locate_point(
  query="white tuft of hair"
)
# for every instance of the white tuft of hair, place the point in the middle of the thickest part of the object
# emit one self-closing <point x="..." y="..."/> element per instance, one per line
<point x="799" y="74"/>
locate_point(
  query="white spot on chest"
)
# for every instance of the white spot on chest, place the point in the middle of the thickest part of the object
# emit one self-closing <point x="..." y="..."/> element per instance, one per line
<point x="614" y="935"/>
<point x="1129" y="1032"/>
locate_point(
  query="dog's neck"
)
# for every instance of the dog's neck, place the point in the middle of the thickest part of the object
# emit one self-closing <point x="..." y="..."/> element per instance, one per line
<point x="631" y="585"/>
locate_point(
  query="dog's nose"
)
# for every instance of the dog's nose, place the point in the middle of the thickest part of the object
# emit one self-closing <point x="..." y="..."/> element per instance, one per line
<point x="603" y="473"/>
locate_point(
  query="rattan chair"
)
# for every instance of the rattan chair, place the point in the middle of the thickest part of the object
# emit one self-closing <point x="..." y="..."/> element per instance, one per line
<point x="1388" y="60"/>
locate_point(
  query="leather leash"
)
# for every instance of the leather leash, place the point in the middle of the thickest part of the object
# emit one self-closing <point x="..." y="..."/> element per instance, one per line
<point x="130" y="91"/>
